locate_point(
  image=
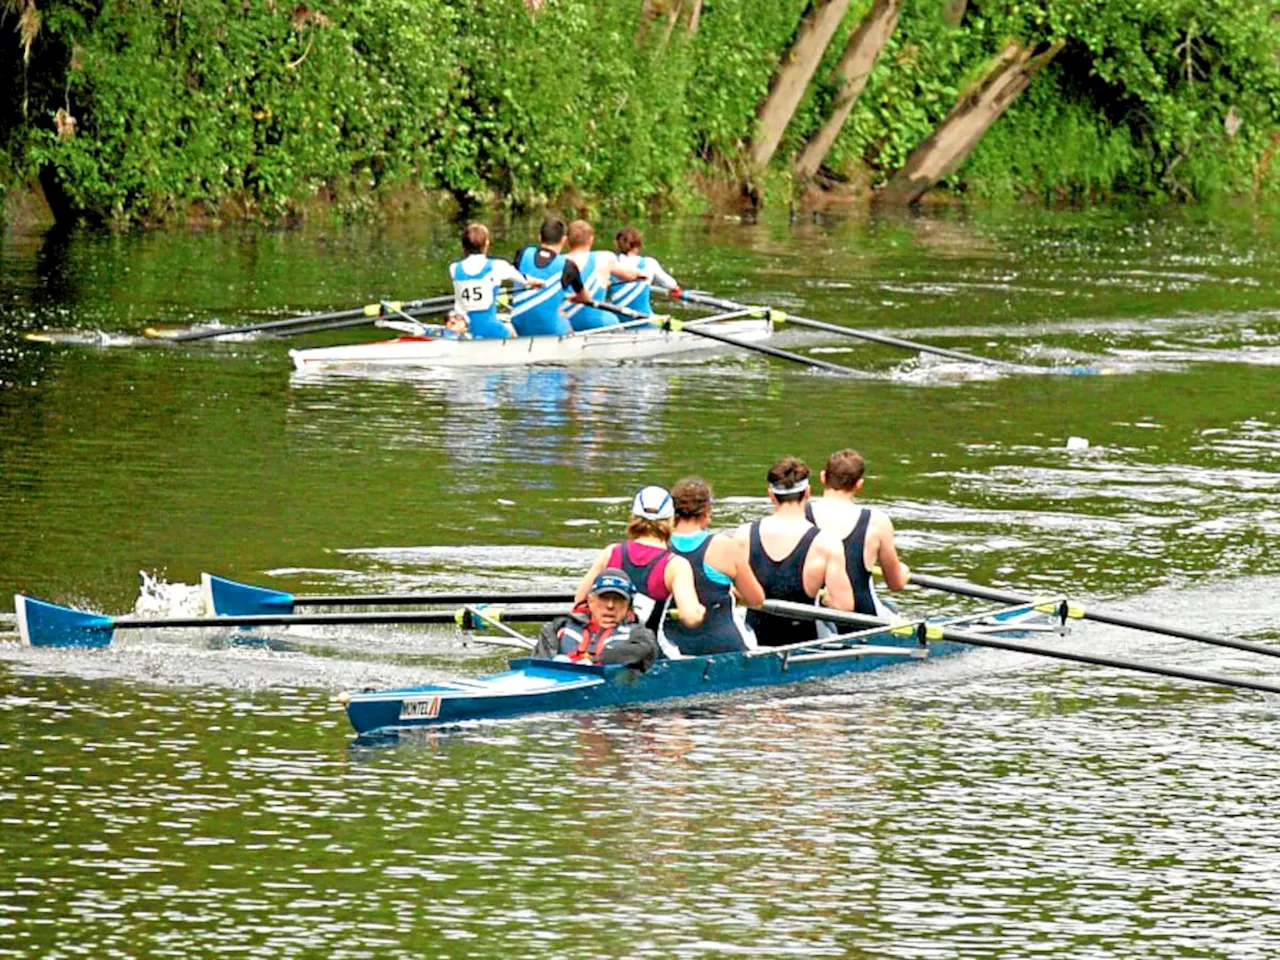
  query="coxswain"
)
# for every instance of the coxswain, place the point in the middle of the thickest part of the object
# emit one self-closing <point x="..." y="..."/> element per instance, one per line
<point x="538" y="311"/>
<point x="866" y="534"/>
<point x="635" y="293"/>
<point x="601" y="629"/>
<point x="658" y="574"/>
<point x="588" y="274"/>
<point x="721" y="569"/>
<point x="476" y="278"/>
<point x="792" y="558"/>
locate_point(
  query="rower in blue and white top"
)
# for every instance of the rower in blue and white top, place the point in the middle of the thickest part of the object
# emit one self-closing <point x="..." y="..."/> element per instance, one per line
<point x="476" y="278"/>
<point x="588" y="274"/>
<point x="539" y="311"/>
<point x="635" y="293"/>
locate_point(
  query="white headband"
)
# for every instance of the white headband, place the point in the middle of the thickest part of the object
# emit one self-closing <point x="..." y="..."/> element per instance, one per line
<point x="798" y="487"/>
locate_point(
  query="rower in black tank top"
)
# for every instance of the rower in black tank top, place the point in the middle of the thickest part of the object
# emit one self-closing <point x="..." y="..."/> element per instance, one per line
<point x="855" y="544"/>
<point x="782" y="580"/>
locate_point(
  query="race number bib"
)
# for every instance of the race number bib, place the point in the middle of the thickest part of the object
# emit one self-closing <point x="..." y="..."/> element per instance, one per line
<point x="469" y="295"/>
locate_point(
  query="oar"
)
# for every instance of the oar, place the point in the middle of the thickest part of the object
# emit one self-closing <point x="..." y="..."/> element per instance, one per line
<point x="43" y="624"/>
<point x="368" y="310"/>
<point x="693" y="296"/>
<point x="363" y="321"/>
<point x="695" y="327"/>
<point x="230" y="598"/>
<point x="938" y="631"/>
<point x="1101" y="616"/>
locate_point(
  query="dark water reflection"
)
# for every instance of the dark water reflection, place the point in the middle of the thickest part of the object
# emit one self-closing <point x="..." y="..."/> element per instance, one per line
<point x="183" y="795"/>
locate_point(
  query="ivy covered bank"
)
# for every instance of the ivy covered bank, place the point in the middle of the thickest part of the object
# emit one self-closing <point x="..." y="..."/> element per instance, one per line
<point x="146" y="111"/>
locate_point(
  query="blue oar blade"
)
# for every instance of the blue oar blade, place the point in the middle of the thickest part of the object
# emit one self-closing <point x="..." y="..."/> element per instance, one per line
<point x="227" y="598"/>
<point x="43" y="624"/>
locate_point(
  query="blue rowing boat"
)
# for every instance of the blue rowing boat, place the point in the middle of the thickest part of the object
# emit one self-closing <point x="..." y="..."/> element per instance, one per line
<point x="547" y="686"/>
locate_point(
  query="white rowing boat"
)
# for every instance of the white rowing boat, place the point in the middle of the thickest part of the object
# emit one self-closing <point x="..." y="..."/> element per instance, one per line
<point x="606" y="345"/>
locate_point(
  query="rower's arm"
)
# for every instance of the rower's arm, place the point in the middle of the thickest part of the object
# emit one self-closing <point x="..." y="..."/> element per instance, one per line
<point x="504" y="272"/>
<point x="835" y="576"/>
<point x="597" y="567"/>
<point x="660" y="277"/>
<point x="896" y="573"/>
<point x="679" y="580"/>
<point x="744" y="579"/>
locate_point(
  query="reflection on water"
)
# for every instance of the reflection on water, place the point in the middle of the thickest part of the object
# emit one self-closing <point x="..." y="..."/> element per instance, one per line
<point x="185" y="794"/>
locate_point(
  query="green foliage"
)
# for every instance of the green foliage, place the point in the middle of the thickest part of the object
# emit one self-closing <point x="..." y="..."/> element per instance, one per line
<point x="264" y="109"/>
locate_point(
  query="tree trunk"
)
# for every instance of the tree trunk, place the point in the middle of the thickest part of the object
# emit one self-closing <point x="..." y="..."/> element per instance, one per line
<point x="953" y="12"/>
<point x="860" y="55"/>
<point x="792" y="79"/>
<point x="946" y="148"/>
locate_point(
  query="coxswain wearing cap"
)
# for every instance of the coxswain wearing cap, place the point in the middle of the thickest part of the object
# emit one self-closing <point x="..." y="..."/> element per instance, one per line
<point x="792" y="558"/>
<point x="601" y="629"/>
<point x="538" y="311"/>
<point x="476" y="278"/>
<point x="635" y="293"/>
<point x="588" y="274"/>
<point x="720" y="567"/>
<point x="866" y="534"/>
<point x="658" y="574"/>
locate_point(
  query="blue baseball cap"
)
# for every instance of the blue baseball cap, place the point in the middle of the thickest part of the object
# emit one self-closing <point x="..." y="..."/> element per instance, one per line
<point x="613" y="580"/>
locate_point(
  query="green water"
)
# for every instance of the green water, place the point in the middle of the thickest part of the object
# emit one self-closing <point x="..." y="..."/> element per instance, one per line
<point x="178" y="794"/>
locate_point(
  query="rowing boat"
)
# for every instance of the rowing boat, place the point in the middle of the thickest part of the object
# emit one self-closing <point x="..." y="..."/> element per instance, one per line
<point x="605" y="345"/>
<point x="533" y="685"/>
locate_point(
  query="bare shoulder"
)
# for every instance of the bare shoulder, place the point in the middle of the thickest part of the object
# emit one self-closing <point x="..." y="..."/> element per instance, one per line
<point x="829" y="543"/>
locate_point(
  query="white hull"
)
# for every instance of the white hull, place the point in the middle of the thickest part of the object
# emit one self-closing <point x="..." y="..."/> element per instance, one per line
<point x="603" y="346"/>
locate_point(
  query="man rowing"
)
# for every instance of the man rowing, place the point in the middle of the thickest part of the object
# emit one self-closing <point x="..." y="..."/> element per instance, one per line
<point x="537" y="311"/>
<point x="865" y="534"/>
<point x="720" y="567"/>
<point x="601" y="629"/>
<point x="792" y="558"/>
<point x="658" y="574"/>
<point x="476" y="278"/>
<point x="588" y="274"/>
<point x="635" y="293"/>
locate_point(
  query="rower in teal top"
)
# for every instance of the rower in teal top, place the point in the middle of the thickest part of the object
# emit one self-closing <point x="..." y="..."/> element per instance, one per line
<point x="635" y="293"/>
<point x="588" y="273"/>
<point x="476" y="278"/>
<point x="539" y="311"/>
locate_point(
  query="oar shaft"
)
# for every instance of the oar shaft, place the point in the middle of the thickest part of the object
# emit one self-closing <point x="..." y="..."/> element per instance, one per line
<point x="881" y="338"/>
<point x="396" y="599"/>
<point x="528" y="615"/>
<point x="362" y="321"/>
<point x="1101" y="616"/>
<point x="305" y="319"/>
<point x="699" y="331"/>
<point x="806" y="612"/>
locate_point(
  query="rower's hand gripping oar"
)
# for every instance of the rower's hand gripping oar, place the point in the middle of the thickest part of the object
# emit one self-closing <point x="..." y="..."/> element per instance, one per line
<point x="940" y="631"/>
<point x="697" y="328"/>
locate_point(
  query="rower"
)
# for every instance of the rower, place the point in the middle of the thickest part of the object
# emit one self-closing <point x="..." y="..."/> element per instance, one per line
<point x="720" y="566"/>
<point x="538" y="311"/>
<point x="866" y="534"/>
<point x="658" y="574"/>
<point x="476" y="278"/>
<point x="808" y="560"/>
<point x="588" y="273"/>
<point x="635" y="293"/>
<point x="601" y="629"/>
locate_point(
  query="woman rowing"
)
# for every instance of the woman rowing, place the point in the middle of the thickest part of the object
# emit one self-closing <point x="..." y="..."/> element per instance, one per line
<point x="792" y="558"/>
<point x="657" y="573"/>
<point x="476" y="278"/>
<point x="865" y="534"/>
<point x="720" y="566"/>
<point x="635" y="293"/>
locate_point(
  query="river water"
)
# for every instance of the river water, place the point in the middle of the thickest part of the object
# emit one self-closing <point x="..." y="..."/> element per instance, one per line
<point x="184" y="794"/>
